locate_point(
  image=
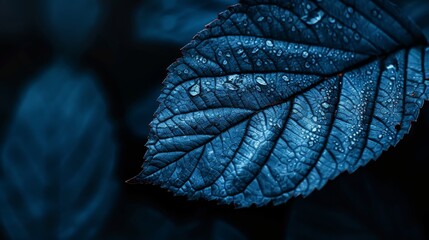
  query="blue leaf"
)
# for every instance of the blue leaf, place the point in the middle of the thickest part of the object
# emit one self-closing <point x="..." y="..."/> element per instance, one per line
<point x="71" y="25"/>
<point x="275" y="98"/>
<point x="175" y="21"/>
<point x="58" y="159"/>
<point x="224" y="231"/>
<point x="417" y="10"/>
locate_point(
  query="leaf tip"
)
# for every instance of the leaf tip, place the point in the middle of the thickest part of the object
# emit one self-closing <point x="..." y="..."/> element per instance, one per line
<point x="134" y="180"/>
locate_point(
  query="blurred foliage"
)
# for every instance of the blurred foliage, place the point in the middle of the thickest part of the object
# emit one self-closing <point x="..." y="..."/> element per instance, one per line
<point x="127" y="46"/>
<point x="71" y="25"/>
<point x="176" y="21"/>
<point x="58" y="159"/>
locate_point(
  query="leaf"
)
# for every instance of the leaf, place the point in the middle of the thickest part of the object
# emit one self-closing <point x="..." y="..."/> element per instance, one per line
<point x="417" y="10"/>
<point x="224" y="231"/>
<point x="71" y="25"/>
<point x="58" y="159"/>
<point x="175" y="21"/>
<point x="275" y="98"/>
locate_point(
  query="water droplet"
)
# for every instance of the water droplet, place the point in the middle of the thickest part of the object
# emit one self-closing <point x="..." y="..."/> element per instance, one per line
<point x="225" y="62"/>
<point x="259" y="62"/>
<point x="195" y="89"/>
<point x="313" y="17"/>
<point x="260" y="19"/>
<point x="331" y="20"/>
<point x="255" y="50"/>
<point x="269" y="43"/>
<point x="380" y="136"/>
<point x="285" y="78"/>
<point x="240" y="51"/>
<point x="231" y="86"/>
<point x="258" y="88"/>
<point x="391" y="67"/>
<point x="305" y="54"/>
<point x="233" y="78"/>
<point x="375" y="12"/>
<point x="261" y="80"/>
<point x="315" y="119"/>
<point x="356" y="36"/>
<point x="350" y="10"/>
<point x="325" y="105"/>
<point x="307" y="65"/>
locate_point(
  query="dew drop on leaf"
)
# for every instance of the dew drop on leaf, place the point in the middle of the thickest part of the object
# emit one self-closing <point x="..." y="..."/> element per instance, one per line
<point x="325" y="105"/>
<point x="231" y="86"/>
<point x="260" y="80"/>
<point x="305" y="54"/>
<point x="195" y="90"/>
<point x="313" y="17"/>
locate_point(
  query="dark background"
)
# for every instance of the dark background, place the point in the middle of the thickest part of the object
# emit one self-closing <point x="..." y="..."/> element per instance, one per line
<point x="127" y="46"/>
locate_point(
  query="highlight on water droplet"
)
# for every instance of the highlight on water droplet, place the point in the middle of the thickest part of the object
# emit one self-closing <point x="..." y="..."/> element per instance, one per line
<point x="305" y="54"/>
<point x="313" y="17"/>
<point x="391" y="67"/>
<point x="285" y="78"/>
<point x="231" y="86"/>
<point x="260" y="80"/>
<point x="195" y="89"/>
<point x="233" y="78"/>
<point x="325" y="105"/>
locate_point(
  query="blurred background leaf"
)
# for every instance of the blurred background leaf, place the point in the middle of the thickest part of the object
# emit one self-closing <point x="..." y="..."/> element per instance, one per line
<point x="71" y="25"/>
<point x="58" y="159"/>
<point x="176" y="21"/>
<point x="128" y="45"/>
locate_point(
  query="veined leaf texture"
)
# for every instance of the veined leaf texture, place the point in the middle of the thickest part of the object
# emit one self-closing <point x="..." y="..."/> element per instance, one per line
<point x="58" y="159"/>
<point x="276" y="97"/>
